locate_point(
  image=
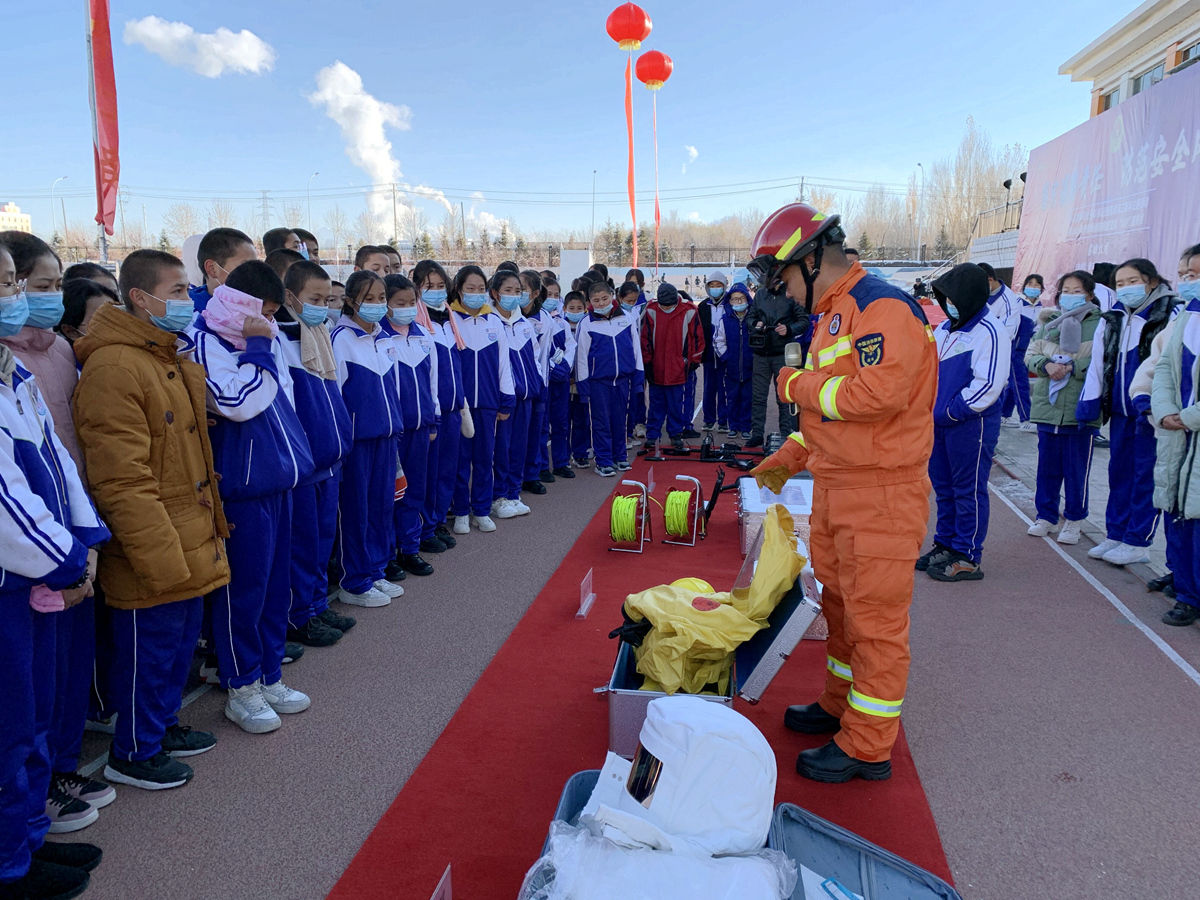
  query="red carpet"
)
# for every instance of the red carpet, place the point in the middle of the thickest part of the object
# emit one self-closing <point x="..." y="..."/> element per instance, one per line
<point x="483" y="796"/>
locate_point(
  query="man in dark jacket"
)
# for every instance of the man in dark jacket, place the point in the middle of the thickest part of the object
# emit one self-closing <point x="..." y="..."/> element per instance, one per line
<point x="774" y="321"/>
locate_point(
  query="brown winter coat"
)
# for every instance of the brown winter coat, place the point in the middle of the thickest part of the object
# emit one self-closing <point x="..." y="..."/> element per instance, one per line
<point x="140" y="417"/>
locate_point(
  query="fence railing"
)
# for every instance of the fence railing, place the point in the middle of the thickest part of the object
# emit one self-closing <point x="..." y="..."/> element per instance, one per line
<point x="998" y="220"/>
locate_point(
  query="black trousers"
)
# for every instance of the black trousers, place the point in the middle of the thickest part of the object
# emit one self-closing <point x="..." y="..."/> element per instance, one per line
<point x="766" y="368"/>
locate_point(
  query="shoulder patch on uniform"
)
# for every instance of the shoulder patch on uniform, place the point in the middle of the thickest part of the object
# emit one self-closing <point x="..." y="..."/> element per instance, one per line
<point x="871" y="288"/>
<point x="870" y="349"/>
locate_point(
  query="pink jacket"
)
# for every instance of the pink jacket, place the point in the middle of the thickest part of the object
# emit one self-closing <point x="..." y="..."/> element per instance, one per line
<point x="52" y="361"/>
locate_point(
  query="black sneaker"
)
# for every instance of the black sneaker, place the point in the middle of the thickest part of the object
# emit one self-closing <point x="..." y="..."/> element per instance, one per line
<point x="73" y="856"/>
<point x="755" y="440"/>
<point x="46" y="881"/>
<point x="678" y="444"/>
<point x="314" y="633"/>
<point x="605" y="471"/>
<point x="1182" y="614"/>
<point x="1161" y="584"/>
<point x="935" y="554"/>
<point x="1101" y="441"/>
<point x="564" y="472"/>
<point x="690" y="433"/>
<point x="831" y="765"/>
<point x="442" y="533"/>
<point x="432" y="545"/>
<point x="67" y="813"/>
<point x="183" y="740"/>
<point x="333" y="620"/>
<point x="292" y="652"/>
<point x="954" y="567"/>
<point x="394" y="572"/>
<point x="533" y="487"/>
<point x="413" y="563"/>
<point x="158" y="773"/>
<point x="546" y="477"/>
<point x="622" y="466"/>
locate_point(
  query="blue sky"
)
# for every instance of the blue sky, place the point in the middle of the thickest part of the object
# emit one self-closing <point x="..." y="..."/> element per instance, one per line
<point x="529" y="98"/>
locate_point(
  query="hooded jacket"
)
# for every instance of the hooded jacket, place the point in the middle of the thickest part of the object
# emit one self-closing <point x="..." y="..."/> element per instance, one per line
<point x="731" y="335"/>
<point x="142" y="423"/>
<point x="974" y="350"/>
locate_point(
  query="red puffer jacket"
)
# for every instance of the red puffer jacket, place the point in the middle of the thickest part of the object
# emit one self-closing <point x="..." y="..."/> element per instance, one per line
<point x="672" y="340"/>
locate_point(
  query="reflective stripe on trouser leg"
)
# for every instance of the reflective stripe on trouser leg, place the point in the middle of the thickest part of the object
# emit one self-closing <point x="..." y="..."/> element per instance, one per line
<point x="877" y="531"/>
<point x="873" y="706"/>
<point x="839" y="668"/>
<point x="827" y="562"/>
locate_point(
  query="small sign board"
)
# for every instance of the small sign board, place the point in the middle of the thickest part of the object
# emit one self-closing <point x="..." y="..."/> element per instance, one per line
<point x="586" y="595"/>
<point x="443" y="891"/>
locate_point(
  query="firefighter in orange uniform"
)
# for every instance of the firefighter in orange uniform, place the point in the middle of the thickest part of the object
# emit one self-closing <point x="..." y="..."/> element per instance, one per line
<point x="865" y="399"/>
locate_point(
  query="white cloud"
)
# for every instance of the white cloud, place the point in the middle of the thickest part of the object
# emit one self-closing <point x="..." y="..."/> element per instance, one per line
<point x="211" y="55"/>
<point x="478" y="195"/>
<point x="692" y="154"/>
<point x="694" y="216"/>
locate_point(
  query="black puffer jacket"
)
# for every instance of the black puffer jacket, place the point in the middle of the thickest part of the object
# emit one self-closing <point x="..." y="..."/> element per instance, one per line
<point x="767" y="311"/>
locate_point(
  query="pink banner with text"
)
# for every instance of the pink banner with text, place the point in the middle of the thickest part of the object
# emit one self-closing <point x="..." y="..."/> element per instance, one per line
<point x="1123" y="184"/>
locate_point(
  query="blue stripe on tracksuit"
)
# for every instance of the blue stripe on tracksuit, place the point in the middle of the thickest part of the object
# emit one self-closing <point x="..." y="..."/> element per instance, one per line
<point x="1130" y="516"/>
<point x="441" y="469"/>
<point x="416" y="387"/>
<point x="561" y="360"/>
<point x="972" y="373"/>
<point x="262" y="453"/>
<point x="608" y="364"/>
<point x="537" y="458"/>
<point x="366" y="532"/>
<point x="326" y="421"/>
<point x="514" y="433"/>
<point x="488" y="387"/>
<point x="1064" y="465"/>
<point x="47" y="523"/>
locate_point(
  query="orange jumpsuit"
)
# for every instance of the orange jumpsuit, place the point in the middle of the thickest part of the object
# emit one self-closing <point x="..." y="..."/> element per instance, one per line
<point x="865" y="400"/>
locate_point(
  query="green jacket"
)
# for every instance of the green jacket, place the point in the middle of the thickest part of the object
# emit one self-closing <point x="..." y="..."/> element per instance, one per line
<point x="1042" y="348"/>
<point x="1176" y="476"/>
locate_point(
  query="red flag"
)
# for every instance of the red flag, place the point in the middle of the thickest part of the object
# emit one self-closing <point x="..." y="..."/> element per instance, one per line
<point x="102" y="90"/>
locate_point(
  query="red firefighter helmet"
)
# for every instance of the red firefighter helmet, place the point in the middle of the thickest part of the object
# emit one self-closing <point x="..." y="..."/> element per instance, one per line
<point x="788" y="235"/>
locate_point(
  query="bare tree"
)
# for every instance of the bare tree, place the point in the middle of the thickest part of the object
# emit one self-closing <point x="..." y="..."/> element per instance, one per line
<point x="293" y="215"/>
<point x="180" y="221"/>
<point x="221" y="214"/>
<point x="337" y="227"/>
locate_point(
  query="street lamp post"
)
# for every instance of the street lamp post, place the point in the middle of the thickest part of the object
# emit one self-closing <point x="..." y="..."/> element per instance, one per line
<point x="592" y="241"/>
<point x="53" y="185"/>
<point x="920" y="218"/>
<point x="308" y="191"/>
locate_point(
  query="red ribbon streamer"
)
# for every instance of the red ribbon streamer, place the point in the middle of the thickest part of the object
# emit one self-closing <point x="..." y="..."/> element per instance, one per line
<point x="103" y="96"/>
<point x="657" y="214"/>
<point x="629" y="129"/>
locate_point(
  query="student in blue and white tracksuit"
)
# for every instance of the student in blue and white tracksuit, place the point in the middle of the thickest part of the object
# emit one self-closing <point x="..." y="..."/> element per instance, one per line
<point x="488" y="386"/>
<point x="1008" y="308"/>
<point x="261" y="453"/>
<point x="1016" y="396"/>
<point x="580" y="440"/>
<point x="537" y="472"/>
<point x="47" y="524"/>
<point x="974" y="355"/>
<point x="632" y="300"/>
<point x="608" y="361"/>
<point x="322" y="412"/>
<point x="420" y="416"/>
<point x="513" y="433"/>
<point x="441" y="471"/>
<point x="560" y="361"/>
<point x="733" y="360"/>
<point x="1144" y="306"/>
<point x="366" y="356"/>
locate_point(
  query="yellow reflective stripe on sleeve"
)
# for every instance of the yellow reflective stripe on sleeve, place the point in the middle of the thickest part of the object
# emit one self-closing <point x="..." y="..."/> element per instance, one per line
<point x="929" y="334"/>
<point x="809" y="361"/>
<point x="873" y="706"/>
<point x="828" y="397"/>
<point x="833" y="351"/>
<point x="839" y="668"/>
<point x="790" y="244"/>
<point x="798" y="438"/>
<point x="787" y="385"/>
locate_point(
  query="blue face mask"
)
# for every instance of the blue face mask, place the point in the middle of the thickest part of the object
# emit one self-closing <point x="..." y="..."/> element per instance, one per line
<point x="716" y="293"/>
<point x="303" y="249"/>
<point x="332" y="314"/>
<point x="474" y="301"/>
<point x="1189" y="290"/>
<point x="952" y="311"/>
<point x="509" y="302"/>
<point x="628" y="305"/>
<point x="524" y="298"/>
<point x="45" y="310"/>
<point x="575" y="317"/>
<point x="403" y="315"/>
<point x="311" y="314"/>
<point x="14" y="311"/>
<point x="1068" y="302"/>
<point x="1131" y="294"/>
<point x="372" y="312"/>
<point x="738" y="307"/>
<point x="177" y="317"/>
<point x="1033" y="293"/>
<point x="434" y="299"/>
<point x="551" y="304"/>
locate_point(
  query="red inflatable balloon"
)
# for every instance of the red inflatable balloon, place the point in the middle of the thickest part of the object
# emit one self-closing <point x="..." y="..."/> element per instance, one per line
<point x="628" y="25"/>
<point x="654" y="68"/>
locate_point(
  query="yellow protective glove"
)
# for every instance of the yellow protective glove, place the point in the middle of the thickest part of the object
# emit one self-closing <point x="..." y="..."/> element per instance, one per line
<point x="784" y="381"/>
<point x="774" y="471"/>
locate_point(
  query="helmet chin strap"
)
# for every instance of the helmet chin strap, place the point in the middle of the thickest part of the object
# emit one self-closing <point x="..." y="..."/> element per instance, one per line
<point x="810" y="276"/>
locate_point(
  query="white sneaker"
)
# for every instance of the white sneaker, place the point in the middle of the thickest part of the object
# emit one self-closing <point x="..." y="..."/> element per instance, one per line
<point x="1010" y="422"/>
<point x="462" y="525"/>
<point x="285" y="700"/>
<point x="1069" y="533"/>
<point x="1029" y="426"/>
<point x="1040" y="528"/>
<point x="1103" y="547"/>
<point x="209" y="673"/>
<point x="504" y="509"/>
<point x="369" y="598"/>
<point x="639" y="431"/>
<point x="521" y="508"/>
<point x="1125" y="555"/>
<point x="483" y="523"/>
<point x="391" y="590"/>
<point x="249" y="710"/>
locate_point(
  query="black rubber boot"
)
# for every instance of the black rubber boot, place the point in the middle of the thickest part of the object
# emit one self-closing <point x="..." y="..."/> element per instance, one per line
<point x="831" y="765"/>
<point x="811" y="719"/>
